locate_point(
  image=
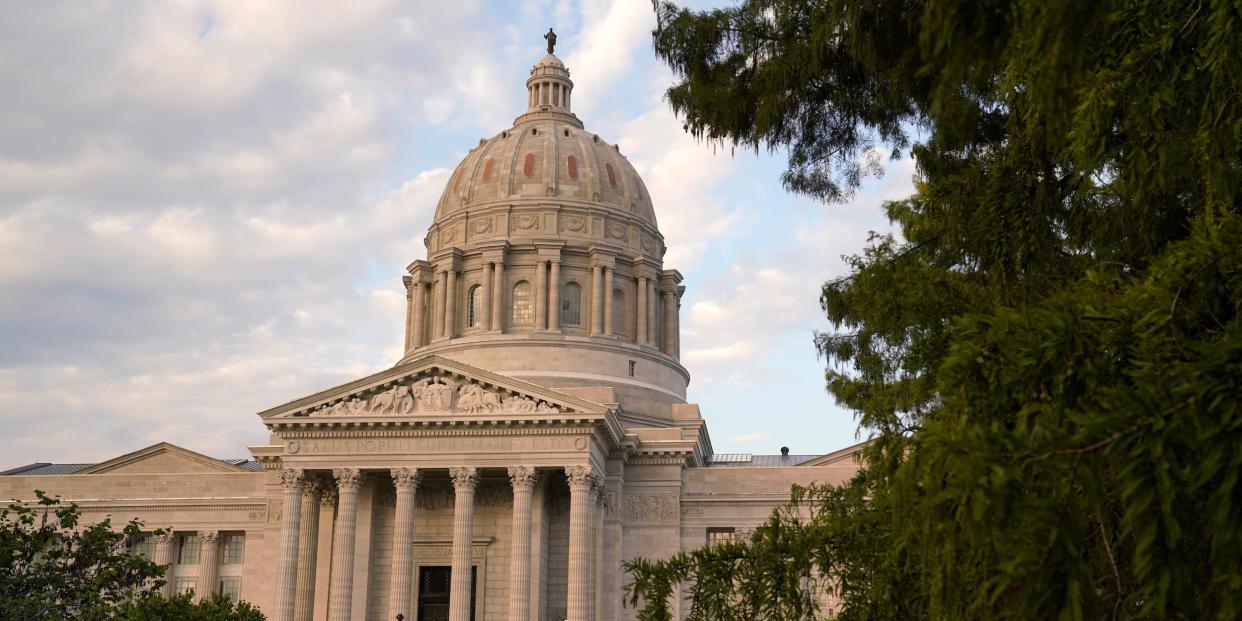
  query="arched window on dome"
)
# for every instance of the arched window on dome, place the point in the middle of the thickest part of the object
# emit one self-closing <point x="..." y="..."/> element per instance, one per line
<point x="523" y="314"/>
<point x="573" y="167"/>
<point x="612" y="177"/>
<point x="473" y="318"/>
<point x="620" y="313"/>
<point x="571" y="305"/>
<point x="528" y="166"/>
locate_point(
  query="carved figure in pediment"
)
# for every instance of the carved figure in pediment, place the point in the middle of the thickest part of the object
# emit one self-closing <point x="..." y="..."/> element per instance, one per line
<point x="547" y="408"/>
<point x="434" y="394"/>
<point x="395" y="400"/>
<point x="473" y="399"/>
<point x="355" y="406"/>
<point x="520" y="404"/>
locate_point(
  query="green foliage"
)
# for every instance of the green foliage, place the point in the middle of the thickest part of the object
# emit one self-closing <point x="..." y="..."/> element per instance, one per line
<point x="183" y="608"/>
<point x="1049" y="356"/>
<point x="53" y="567"/>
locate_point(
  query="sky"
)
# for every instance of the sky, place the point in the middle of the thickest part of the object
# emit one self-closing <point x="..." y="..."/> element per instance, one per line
<point x="206" y="208"/>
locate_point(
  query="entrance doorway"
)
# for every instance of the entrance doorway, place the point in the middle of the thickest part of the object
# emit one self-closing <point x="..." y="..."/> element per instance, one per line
<point x="434" y="587"/>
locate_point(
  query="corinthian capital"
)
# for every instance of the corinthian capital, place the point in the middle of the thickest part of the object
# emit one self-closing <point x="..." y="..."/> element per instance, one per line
<point x="522" y="476"/>
<point x="292" y="479"/>
<point x="406" y="478"/>
<point x="464" y="477"/>
<point x="347" y="478"/>
<point x="580" y="477"/>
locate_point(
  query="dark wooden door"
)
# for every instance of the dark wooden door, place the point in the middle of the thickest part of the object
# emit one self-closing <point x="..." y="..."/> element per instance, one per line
<point x="434" y="587"/>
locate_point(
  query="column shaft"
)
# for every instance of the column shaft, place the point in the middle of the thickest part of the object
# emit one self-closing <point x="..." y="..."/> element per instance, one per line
<point x="291" y="479"/>
<point x="437" y="312"/>
<point x="554" y="297"/>
<point x="608" y="310"/>
<point x="641" y="337"/>
<point x="485" y="299"/>
<point x="208" y="568"/>
<point x="420" y="303"/>
<point x="308" y="550"/>
<point x="597" y="301"/>
<point x="597" y="584"/>
<point x="399" y="602"/>
<point x="163" y="557"/>
<point x="409" y="316"/>
<point x="498" y="296"/>
<point x="670" y="322"/>
<point x="523" y="480"/>
<point x="464" y="481"/>
<point x="541" y="295"/>
<point x="581" y="504"/>
<point x="652" y="303"/>
<point x="341" y="589"/>
<point x="450" y="305"/>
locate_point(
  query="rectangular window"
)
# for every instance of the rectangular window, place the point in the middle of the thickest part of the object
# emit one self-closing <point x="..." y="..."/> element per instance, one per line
<point x="230" y="587"/>
<point x="185" y="585"/>
<point x="145" y="547"/>
<point x="720" y="535"/>
<point x="234" y="546"/>
<point x="187" y="549"/>
<point x="632" y="364"/>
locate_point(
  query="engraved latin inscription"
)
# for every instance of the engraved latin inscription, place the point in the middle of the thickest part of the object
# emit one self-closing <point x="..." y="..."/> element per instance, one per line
<point x="367" y="446"/>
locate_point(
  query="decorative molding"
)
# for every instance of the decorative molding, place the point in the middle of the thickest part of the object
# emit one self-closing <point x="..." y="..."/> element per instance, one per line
<point x="292" y="479"/>
<point x="572" y="223"/>
<point x="522" y="476"/>
<point x="208" y="537"/>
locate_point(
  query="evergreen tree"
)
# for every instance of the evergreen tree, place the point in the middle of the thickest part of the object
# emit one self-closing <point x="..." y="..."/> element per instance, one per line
<point x="1049" y="355"/>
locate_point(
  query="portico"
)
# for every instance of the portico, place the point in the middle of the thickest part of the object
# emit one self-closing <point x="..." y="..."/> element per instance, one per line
<point x="442" y="423"/>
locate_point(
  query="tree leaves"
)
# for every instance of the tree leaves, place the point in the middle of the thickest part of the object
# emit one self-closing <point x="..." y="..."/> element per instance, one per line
<point x="1048" y="355"/>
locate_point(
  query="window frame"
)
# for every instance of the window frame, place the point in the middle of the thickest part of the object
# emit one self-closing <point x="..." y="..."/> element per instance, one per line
<point x="571" y="304"/>
<point x="528" y="306"/>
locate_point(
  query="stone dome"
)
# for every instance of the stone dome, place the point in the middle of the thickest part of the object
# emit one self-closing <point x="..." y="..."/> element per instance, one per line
<point x="547" y="157"/>
<point x="544" y="262"/>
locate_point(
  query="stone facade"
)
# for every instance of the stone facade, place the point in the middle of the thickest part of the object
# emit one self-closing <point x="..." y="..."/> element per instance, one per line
<point x="534" y="436"/>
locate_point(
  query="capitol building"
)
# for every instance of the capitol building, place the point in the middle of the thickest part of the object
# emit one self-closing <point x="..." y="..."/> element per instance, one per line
<point x="534" y="436"/>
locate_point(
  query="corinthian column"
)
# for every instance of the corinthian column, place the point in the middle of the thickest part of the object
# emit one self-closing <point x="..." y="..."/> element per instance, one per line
<point x="523" y="480"/>
<point x="420" y="308"/>
<point x="464" y="481"/>
<point x="308" y="550"/>
<point x="598" y="567"/>
<point x="652" y="303"/>
<point x="290" y="524"/>
<point x="581" y="504"/>
<point x="641" y="337"/>
<point x="163" y="558"/>
<point x="554" y="297"/>
<point x="406" y="481"/>
<point x="450" y="305"/>
<point x="485" y="299"/>
<point x="608" y="310"/>
<point x="597" y="300"/>
<point x="541" y="295"/>
<point x="341" y="589"/>
<point x="670" y="322"/>
<point x="498" y="295"/>
<point x="208" y="545"/>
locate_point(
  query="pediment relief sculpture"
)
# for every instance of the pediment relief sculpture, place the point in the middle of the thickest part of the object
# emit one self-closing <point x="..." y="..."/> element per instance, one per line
<point x="436" y="394"/>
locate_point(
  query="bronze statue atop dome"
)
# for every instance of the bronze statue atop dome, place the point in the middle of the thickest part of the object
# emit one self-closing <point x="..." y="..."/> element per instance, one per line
<point x="551" y="37"/>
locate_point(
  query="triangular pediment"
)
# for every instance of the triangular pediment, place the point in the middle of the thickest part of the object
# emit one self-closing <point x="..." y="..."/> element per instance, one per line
<point x="162" y="458"/>
<point x="431" y="387"/>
